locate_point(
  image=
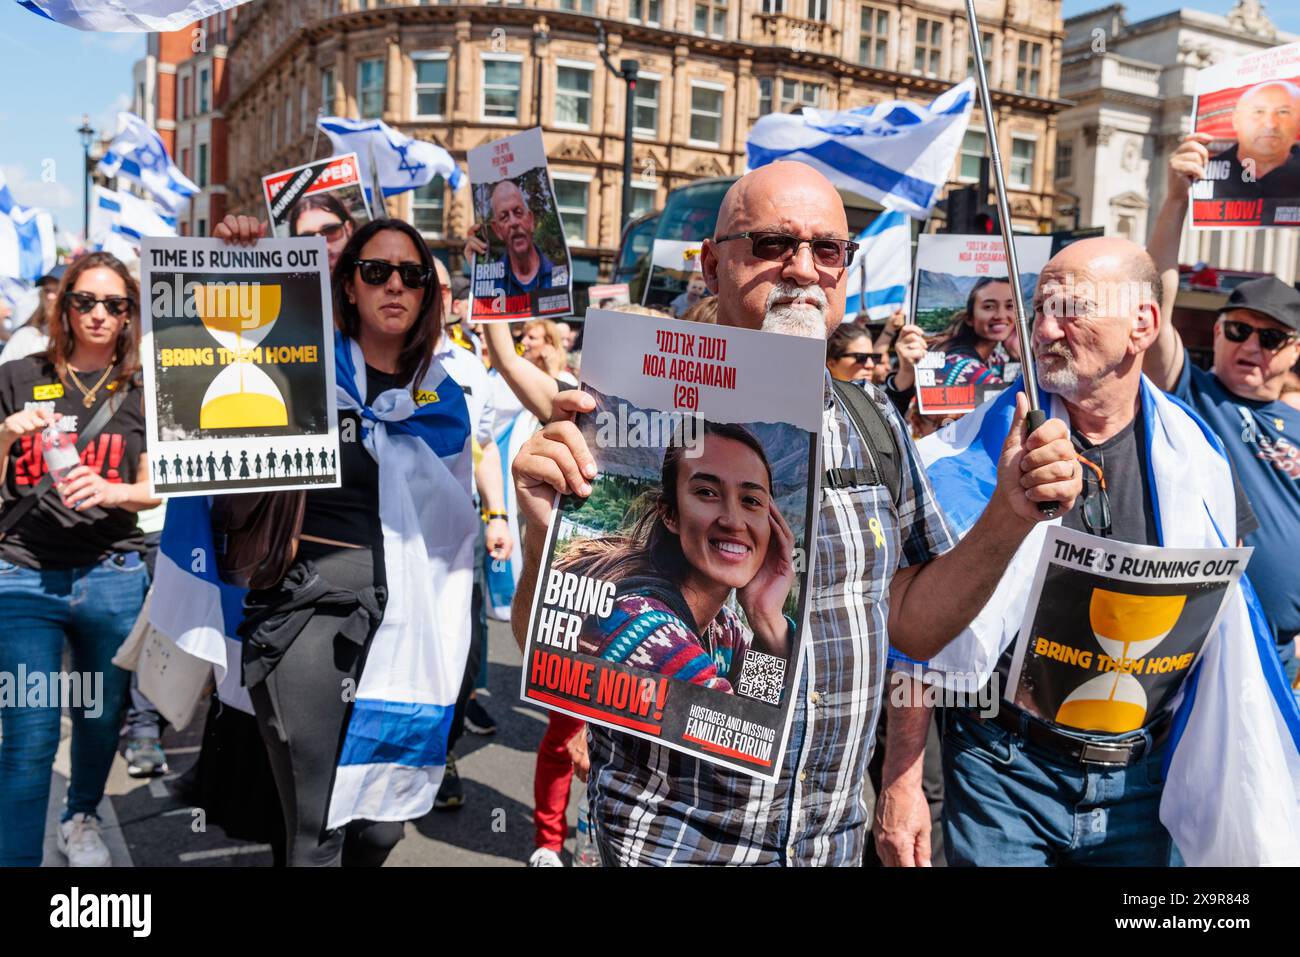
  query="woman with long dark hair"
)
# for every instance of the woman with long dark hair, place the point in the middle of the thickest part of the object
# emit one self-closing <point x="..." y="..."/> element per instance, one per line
<point x="323" y="214"/>
<point x="386" y="554"/>
<point x="712" y="532"/>
<point x="71" y="568"/>
<point x="978" y="342"/>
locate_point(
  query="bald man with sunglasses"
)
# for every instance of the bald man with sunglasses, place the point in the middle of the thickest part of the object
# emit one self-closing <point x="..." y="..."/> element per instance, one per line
<point x="1256" y="345"/>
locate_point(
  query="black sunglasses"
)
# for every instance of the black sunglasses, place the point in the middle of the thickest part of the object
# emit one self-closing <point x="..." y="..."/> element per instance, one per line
<point x="780" y="247"/>
<point x="1096" y="503"/>
<point x="375" y="272"/>
<point x="330" y="232"/>
<point x="84" y="302"/>
<point x="862" y="358"/>
<point x="1270" y="340"/>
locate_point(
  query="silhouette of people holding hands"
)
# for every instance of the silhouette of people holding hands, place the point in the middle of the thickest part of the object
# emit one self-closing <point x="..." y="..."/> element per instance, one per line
<point x="227" y="465"/>
<point x="243" y="465"/>
<point x="212" y="467"/>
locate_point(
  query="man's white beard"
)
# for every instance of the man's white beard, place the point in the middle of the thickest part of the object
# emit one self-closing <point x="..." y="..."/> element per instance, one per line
<point x="788" y="320"/>
<point x="1063" y="378"/>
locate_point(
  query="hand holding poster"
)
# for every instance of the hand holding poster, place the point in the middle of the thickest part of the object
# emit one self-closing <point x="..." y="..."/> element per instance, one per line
<point x="323" y="198"/>
<point x="1111" y="630"/>
<point x="238" y="354"/>
<point x="1251" y="106"/>
<point x="965" y="302"/>
<point x="672" y="602"/>
<point x="525" y="272"/>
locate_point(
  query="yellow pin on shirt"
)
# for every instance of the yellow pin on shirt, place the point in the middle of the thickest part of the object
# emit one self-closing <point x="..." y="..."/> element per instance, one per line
<point x="874" y="526"/>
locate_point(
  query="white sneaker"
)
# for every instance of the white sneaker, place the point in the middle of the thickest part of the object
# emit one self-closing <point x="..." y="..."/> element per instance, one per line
<point x="545" y="857"/>
<point x="80" y="842"/>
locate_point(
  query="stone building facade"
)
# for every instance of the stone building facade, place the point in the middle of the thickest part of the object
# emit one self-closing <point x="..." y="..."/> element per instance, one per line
<point x="461" y="74"/>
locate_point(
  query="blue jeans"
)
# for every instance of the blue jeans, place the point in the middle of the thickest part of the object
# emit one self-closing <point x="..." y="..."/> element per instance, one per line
<point x="93" y="609"/>
<point x="1008" y="802"/>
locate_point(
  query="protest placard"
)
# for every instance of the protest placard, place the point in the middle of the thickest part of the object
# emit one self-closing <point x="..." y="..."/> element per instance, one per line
<point x="1111" y="630"/>
<point x="609" y="295"/>
<point x="237" y="346"/>
<point x="312" y="198"/>
<point x="526" y="270"/>
<point x="1251" y="106"/>
<point x="674" y="265"/>
<point x="962" y="294"/>
<point x="672" y="602"/>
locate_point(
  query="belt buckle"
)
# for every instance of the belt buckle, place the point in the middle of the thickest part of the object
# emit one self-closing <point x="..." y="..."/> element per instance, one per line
<point x="1110" y="755"/>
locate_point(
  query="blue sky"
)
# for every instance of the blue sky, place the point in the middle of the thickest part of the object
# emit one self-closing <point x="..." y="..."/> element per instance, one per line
<point x="51" y="74"/>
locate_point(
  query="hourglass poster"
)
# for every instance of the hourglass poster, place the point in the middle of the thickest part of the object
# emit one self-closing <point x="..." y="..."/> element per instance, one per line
<point x="238" y="353"/>
<point x="1112" y="630"/>
<point x="672" y="602"/>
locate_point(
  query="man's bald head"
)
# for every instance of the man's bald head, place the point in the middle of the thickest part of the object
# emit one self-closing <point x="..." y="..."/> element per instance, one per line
<point x="1266" y="120"/>
<point x="512" y="221"/>
<point x="505" y="192"/>
<point x="1096" y="311"/>
<point x="796" y="296"/>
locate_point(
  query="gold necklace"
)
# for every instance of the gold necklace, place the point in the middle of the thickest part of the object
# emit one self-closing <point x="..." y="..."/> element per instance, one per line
<point x="89" y="399"/>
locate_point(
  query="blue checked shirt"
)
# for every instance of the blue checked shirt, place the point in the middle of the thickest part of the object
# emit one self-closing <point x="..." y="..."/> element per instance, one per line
<point x="653" y="805"/>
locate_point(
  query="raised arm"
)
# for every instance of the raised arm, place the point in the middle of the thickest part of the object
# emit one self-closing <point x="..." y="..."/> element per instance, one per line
<point x="1164" y="360"/>
<point x="533" y="387"/>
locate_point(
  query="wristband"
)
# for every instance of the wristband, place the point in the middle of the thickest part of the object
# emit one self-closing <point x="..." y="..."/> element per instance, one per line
<point x="489" y="516"/>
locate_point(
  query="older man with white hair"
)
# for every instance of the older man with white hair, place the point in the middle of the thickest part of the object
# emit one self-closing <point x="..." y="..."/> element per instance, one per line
<point x="886" y="568"/>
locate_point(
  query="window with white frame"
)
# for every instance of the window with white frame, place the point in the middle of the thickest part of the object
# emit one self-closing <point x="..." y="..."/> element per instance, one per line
<point x="929" y="46"/>
<point x="645" y="11"/>
<point x="201" y="180"/>
<point x="706" y="114"/>
<point x="986" y="47"/>
<point x="327" y="90"/>
<point x="645" y="106"/>
<point x="203" y="91"/>
<point x="430" y="84"/>
<point x="799" y="93"/>
<point x="573" y="94"/>
<point x="370" y="89"/>
<point x="873" y="38"/>
<point x="1023" y="149"/>
<point x="1029" y="67"/>
<point x="581" y="6"/>
<point x="972" y="151"/>
<point x="644" y="198"/>
<point x="571" y="199"/>
<point x="819" y="10"/>
<point x="774" y="6"/>
<point x="501" y="86"/>
<point x="765" y="95"/>
<point x="711" y="17"/>
<point x="427" y="207"/>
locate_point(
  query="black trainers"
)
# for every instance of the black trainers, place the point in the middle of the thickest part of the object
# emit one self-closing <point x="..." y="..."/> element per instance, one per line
<point x="451" y="794"/>
<point x="477" y="720"/>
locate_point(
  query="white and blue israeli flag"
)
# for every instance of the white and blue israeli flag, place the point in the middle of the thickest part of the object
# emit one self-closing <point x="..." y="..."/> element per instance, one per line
<point x="401" y="163"/>
<point x="143" y="16"/>
<point x="137" y="154"/>
<point x="895" y="153"/>
<point x="882" y="270"/>
<point x="27" y="247"/>
<point x="120" y="214"/>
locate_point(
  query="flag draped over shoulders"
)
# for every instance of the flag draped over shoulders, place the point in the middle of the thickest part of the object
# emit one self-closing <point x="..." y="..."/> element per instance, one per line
<point x="1232" y="790"/>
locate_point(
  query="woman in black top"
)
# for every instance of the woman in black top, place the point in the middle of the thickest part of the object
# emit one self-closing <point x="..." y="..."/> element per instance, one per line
<point x="305" y="639"/>
<point x="70" y="565"/>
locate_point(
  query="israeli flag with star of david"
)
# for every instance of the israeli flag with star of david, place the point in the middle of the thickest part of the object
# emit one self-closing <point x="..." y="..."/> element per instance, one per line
<point x="401" y="163"/>
<point x="137" y="154"/>
<point x="897" y="154"/>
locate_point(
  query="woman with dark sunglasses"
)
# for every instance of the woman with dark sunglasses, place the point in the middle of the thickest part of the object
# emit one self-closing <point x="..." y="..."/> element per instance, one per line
<point x="71" y="566"/>
<point x="306" y="638"/>
<point x="323" y="214"/>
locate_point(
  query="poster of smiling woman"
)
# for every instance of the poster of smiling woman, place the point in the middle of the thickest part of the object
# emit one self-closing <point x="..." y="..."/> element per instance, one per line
<point x="526" y="271"/>
<point x="237" y="346"/>
<point x="672" y="602"/>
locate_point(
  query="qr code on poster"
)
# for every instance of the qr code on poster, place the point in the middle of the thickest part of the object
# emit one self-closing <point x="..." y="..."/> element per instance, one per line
<point x="762" y="677"/>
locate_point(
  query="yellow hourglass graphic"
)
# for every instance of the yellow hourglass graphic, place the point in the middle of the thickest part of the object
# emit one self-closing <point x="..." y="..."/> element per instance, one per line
<point x="1128" y="627"/>
<point x="239" y="316"/>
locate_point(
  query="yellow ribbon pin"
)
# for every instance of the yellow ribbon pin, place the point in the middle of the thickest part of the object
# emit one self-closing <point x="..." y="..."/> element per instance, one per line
<point x="876" y="530"/>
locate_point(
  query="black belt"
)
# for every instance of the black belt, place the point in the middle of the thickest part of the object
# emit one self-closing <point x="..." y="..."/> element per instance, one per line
<point x="1118" y="753"/>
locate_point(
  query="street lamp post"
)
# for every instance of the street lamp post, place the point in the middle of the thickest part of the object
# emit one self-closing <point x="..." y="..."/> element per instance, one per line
<point x="87" y="133"/>
<point x="627" y="71"/>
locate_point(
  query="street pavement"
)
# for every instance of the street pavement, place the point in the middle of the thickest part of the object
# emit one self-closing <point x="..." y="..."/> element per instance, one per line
<point x="146" y="825"/>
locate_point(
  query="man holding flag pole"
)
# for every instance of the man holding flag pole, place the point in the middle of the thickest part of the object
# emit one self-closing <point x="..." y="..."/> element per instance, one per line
<point x="1214" y="770"/>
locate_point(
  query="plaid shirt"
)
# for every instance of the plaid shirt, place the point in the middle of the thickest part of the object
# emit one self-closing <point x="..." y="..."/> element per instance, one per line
<point x="653" y="805"/>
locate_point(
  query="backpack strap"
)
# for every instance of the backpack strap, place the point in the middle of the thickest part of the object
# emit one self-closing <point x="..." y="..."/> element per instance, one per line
<point x="884" y="457"/>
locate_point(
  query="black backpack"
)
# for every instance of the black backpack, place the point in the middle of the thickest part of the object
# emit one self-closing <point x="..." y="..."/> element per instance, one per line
<point x="884" y="463"/>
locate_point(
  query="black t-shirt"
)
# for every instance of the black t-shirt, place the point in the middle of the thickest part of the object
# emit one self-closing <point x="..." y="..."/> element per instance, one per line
<point x="350" y="513"/>
<point x="52" y="535"/>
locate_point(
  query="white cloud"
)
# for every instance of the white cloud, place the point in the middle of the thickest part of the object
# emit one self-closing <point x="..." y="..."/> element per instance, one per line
<point x="37" y="192"/>
<point x="115" y="42"/>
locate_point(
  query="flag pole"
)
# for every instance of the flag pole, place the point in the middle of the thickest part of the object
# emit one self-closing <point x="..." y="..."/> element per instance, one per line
<point x="379" y="207"/>
<point x="1036" y="416"/>
<point x="315" y="136"/>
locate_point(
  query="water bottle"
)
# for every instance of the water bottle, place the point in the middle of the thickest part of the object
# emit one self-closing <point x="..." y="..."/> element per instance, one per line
<point x="59" y="452"/>
<point x="585" y="852"/>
